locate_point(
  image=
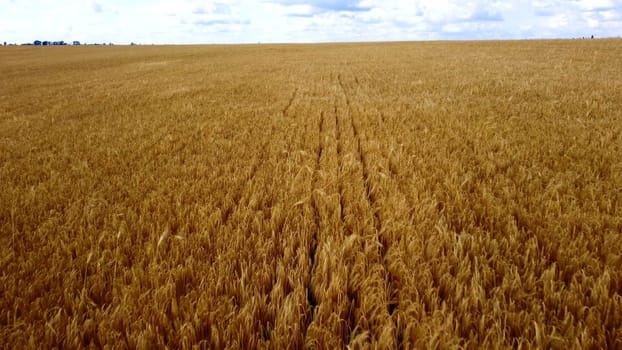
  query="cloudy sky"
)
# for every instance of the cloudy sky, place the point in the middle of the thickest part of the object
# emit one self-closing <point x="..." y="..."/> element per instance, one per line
<point x="252" y="21"/>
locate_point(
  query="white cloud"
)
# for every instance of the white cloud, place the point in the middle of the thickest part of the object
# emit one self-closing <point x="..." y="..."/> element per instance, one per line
<point x="592" y="5"/>
<point x="223" y="21"/>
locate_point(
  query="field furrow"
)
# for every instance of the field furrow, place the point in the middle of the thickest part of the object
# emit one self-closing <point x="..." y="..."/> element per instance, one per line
<point x="330" y="327"/>
<point x="368" y="278"/>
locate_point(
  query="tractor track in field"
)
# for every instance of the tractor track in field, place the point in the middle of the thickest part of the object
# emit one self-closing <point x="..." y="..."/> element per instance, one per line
<point x="349" y="147"/>
<point x="339" y="142"/>
<point x="311" y="295"/>
<point x="290" y="102"/>
<point x="392" y="170"/>
<point x="227" y="213"/>
<point x="401" y="188"/>
<point x="371" y="199"/>
<point x="340" y="129"/>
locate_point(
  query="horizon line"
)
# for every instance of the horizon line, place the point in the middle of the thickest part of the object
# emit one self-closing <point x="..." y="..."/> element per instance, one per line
<point x="80" y="43"/>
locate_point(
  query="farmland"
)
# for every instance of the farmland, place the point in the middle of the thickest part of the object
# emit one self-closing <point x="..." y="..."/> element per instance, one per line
<point x="381" y="195"/>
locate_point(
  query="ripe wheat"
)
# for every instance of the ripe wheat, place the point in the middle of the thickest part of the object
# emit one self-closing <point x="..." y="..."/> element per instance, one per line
<point x="386" y="195"/>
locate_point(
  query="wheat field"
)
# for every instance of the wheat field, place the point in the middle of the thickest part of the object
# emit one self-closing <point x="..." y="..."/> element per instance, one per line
<point x="451" y="195"/>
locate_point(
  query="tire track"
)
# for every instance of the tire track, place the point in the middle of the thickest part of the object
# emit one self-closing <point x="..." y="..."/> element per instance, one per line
<point x="238" y="191"/>
<point x="401" y="191"/>
<point x="290" y="102"/>
<point x="339" y="142"/>
<point x="371" y="199"/>
<point x="391" y="166"/>
<point x="347" y="232"/>
<point x="330" y="322"/>
<point x="386" y="330"/>
<point x="311" y="294"/>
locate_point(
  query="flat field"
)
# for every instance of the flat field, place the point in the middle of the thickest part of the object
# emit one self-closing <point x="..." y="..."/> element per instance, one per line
<point x="383" y="195"/>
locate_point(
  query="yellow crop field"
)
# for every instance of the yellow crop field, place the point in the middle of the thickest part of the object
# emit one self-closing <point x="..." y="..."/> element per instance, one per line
<point x="373" y="195"/>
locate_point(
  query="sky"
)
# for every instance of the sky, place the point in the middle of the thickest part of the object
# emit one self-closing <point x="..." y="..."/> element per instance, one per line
<point x="303" y="21"/>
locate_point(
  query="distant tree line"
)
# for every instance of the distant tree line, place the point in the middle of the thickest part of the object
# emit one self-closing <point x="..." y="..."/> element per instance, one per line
<point x="49" y="43"/>
<point x="56" y="43"/>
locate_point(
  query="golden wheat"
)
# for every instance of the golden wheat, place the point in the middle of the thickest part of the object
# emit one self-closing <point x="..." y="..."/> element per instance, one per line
<point x="386" y="195"/>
